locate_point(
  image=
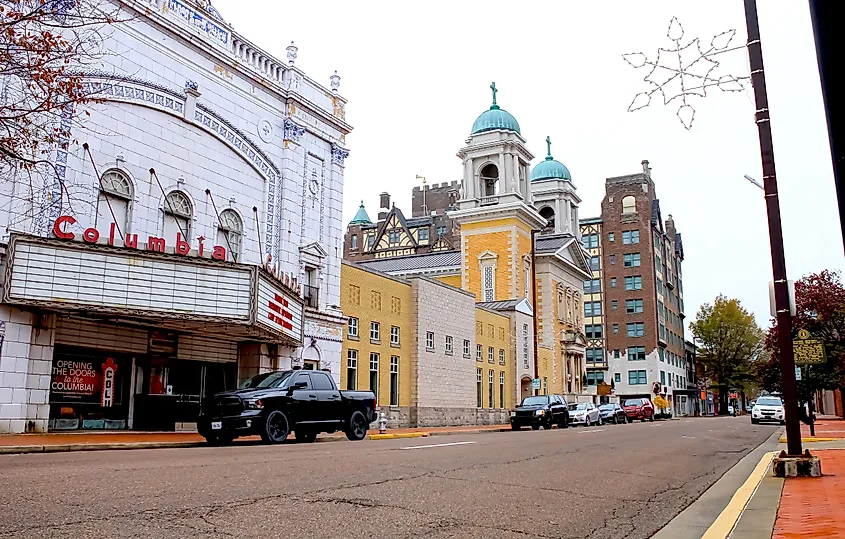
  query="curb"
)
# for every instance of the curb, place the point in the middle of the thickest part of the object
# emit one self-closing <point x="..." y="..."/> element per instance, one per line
<point x="727" y="519"/>
<point x="811" y="440"/>
<point x="398" y="435"/>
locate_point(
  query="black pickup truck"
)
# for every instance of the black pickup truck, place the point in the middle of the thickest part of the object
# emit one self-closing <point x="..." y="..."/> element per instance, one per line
<point x="276" y="403"/>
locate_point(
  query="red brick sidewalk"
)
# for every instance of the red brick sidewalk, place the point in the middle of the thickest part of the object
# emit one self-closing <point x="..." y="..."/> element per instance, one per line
<point x="130" y="437"/>
<point x="814" y="507"/>
<point x="825" y="428"/>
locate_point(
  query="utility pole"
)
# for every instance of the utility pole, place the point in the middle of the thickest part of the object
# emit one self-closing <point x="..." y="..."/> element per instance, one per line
<point x="770" y="186"/>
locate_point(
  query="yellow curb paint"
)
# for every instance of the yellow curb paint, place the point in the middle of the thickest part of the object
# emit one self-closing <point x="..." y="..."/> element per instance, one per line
<point x="810" y="440"/>
<point x="725" y="522"/>
<point x="399" y="435"/>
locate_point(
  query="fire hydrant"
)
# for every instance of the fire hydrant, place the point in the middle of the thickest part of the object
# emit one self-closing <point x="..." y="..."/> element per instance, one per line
<point x="382" y="423"/>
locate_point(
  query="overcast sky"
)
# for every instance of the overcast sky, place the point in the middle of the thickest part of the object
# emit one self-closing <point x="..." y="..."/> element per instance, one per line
<point x="416" y="75"/>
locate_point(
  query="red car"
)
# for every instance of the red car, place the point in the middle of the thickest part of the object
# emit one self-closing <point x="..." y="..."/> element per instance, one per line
<point x="641" y="409"/>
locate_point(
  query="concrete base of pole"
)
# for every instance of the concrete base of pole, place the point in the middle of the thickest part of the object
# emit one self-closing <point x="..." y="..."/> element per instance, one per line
<point x="805" y="465"/>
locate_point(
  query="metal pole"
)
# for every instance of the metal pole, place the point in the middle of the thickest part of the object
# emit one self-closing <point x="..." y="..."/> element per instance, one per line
<point x="784" y="319"/>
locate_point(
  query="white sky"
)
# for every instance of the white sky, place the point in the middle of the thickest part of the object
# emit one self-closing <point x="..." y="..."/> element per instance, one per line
<point x="417" y="74"/>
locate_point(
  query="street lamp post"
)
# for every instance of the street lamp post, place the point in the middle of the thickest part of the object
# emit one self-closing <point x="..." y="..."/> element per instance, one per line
<point x="784" y="318"/>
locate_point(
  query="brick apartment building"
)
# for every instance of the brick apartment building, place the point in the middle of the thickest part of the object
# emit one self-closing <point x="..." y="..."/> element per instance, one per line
<point x="635" y="306"/>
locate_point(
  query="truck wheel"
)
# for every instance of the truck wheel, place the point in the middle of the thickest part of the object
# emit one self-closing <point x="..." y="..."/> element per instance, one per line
<point x="276" y="428"/>
<point x="564" y="424"/>
<point x="357" y="428"/>
<point x="305" y="436"/>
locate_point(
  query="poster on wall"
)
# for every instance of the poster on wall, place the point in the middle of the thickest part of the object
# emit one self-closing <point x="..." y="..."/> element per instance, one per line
<point x="85" y="380"/>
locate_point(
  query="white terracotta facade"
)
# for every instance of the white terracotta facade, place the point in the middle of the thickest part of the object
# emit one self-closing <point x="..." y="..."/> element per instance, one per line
<point x="246" y="140"/>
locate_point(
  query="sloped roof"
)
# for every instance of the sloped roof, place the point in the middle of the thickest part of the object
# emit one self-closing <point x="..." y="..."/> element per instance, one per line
<point x="518" y="304"/>
<point x="550" y="244"/>
<point x="430" y="261"/>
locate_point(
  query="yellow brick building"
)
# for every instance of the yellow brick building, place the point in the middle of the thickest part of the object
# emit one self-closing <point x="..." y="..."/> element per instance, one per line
<point x="376" y="346"/>
<point x="494" y="360"/>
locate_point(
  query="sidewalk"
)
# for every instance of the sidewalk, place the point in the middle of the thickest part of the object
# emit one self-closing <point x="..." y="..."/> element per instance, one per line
<point x="826" y="430"/>
<point x="90" y="441"/>
<point x="814" y="507"/>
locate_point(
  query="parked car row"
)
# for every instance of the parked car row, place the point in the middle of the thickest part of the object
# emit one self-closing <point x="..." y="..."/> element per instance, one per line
<point x="548" y="410"/>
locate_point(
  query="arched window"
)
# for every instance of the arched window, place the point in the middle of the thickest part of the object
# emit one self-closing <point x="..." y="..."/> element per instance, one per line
<point x="114" y="196"/>
<point x="629" y="204"/>
<point x="548" y="214"/>
<point x="230" y="232"/>
<point x="490" y="180"/>
<point x="178" y="212"/>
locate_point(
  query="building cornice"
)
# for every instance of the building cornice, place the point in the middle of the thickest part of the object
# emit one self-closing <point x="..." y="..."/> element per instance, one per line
<point x="518" y="209"/>
<point x="156" y="12"/>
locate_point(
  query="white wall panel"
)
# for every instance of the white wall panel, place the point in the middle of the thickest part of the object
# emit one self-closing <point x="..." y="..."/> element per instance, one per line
<point x="90" y="334"/>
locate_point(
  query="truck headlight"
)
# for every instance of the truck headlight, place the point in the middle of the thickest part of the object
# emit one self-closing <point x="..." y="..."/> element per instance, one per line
<point x="254" y="404"/>
<point x="513" y="414"/>
<point x="540" y="412"/>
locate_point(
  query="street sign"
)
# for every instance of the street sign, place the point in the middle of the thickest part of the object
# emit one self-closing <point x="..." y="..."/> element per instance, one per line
<point x="535" y="383"/>
<point x="798" y="373"/>
<point x="772" y="310"/>
<point x="808" y="351"/>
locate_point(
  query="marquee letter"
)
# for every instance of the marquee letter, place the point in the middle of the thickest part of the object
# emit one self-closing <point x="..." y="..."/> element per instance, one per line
<point x="57" y="227"/>
<point x="111" y="234"/>
<point x="156" y="244"/>
<point x="131" y="241"/>
<point x="182" y="247"/>
<point x="201" y="249"/>
<point x="219" y="253"/>
<point x="91" y="235"/>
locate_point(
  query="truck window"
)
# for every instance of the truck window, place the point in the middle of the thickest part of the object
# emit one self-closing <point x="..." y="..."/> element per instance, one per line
<point x="320" y="380"/>
<point x="303" y="377"/>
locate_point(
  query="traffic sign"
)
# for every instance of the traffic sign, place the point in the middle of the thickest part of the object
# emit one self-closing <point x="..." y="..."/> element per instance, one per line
<point x="535" y="383"/>
<point x="798" y="373"/>
<point x="808" y="351"/>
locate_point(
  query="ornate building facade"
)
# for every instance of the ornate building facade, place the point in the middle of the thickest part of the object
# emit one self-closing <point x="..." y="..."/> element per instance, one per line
<point x="192" y="241"/>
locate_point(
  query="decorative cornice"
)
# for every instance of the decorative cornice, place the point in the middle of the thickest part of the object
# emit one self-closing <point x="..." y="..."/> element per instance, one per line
<point x="293" y="131"/>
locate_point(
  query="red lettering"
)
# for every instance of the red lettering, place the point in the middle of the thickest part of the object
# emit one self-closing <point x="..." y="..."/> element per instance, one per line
<point x="219" y="253"/>
<point x="274" y="307"/>
<point x="284" y="323"/>
<point x="200" y="239"/>
<point x="57" y="227"/>
<point x="131" y="241"/>
<point x="182" y="247"/>
<point x="111" y="234"/>
<point x="91" y="235"/>
<point x="156" y="244"/>
<point x="281" y="300"/>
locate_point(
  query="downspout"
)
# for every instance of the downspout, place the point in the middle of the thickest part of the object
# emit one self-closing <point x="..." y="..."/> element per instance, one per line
<point x="534" y="301"/>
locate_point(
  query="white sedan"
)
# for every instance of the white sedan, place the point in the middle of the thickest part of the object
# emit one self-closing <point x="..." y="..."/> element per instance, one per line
<point x="767" y="409"/>
<point x="584" y="413"/>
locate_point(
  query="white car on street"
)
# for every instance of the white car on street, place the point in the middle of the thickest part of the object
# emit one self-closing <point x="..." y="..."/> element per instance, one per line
<point x="584" y="413"/>
<point x="768" y="409"/>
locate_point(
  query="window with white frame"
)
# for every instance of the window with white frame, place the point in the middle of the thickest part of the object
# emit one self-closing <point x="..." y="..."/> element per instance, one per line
<point x="394" y="380"/>
<point x="375" y="331"/>
<point x="178" y="212"/>
<point x="489" y="278"/>
<point x="501" y="389"/>
<point x="352" y="327"/>
<point x="501" y="356"/>
<point x="490" y="399"/>
<point x="351" y="369"/>
<point x="429" y="340"/>
<point x="394" y="335"/>
<point x="115" y="196"/>
<point x="230" y="233"/>
<point x="629" y="204"/>
<point x="478" y="388"/>
<point x="449" y="345"/>
<point x="479" y="352"/>
<point x="374" y="357"/>
<point x="466" y="348"/>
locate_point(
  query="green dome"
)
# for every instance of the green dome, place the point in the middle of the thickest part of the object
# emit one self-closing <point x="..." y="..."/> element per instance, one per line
<point x="550" y="169"/>
<point x="495" y="118"/>
<point x="361" y="218"/>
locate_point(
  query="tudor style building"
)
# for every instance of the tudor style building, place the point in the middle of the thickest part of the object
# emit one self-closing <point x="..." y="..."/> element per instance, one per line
<point x="202" y="241"/>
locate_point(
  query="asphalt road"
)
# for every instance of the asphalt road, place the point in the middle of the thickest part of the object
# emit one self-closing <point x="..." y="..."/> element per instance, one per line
<point x="598" y="483"/>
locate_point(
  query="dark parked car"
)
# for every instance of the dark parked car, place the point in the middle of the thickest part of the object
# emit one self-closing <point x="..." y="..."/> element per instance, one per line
<point x="540" y="411"/>
<point x="612" y="413"/>
<point x="276" y="403"/>
<point x="641" y="409"/>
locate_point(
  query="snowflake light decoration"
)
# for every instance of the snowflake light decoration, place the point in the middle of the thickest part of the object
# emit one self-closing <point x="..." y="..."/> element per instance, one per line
<point x="684" y="71"/>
